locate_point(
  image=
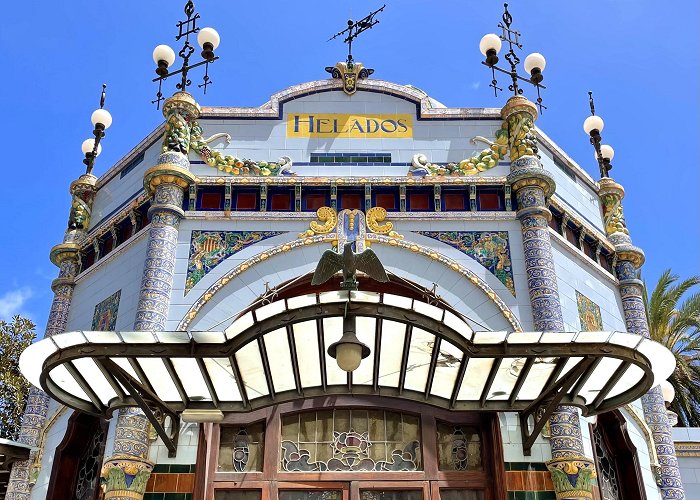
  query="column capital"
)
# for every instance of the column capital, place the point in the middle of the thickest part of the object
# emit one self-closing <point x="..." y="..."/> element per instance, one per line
<point x="183" y="103"/>
<point x="519" y="104"/>
<point x="607" y="186"/>
<point x="125" y="477"/>
<point x="531" y="174"/>
<point x="572" y="476"/>
<point x="64" y="251"/>
<point x="167" y="173"/>
<point x="83" y="183"/>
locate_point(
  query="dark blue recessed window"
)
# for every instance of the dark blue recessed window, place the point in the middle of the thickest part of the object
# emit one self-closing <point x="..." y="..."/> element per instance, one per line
<point x="350" y="158"/>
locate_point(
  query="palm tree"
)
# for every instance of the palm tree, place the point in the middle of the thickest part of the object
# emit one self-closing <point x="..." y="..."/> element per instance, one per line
<point x="677" y="326"/>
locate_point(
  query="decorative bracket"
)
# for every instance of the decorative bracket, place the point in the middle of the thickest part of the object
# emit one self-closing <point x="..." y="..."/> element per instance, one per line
<point x="152" y="406"/>
<point x="542" y="408"/>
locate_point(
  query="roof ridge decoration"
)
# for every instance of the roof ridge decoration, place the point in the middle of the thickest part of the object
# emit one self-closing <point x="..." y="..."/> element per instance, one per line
<point x="231" y="164"/>
<point x="485" y="160"/>
<point x="349" y="72"/>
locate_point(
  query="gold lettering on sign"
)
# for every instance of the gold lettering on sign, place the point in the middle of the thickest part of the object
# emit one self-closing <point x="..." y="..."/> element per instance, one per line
<point x="356" y="126"/>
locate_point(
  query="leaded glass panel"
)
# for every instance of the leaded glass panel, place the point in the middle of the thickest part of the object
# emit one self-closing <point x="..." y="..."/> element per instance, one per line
<point x="350" y="440"/>
<point x="238" y="495"/>
<point x="459" y="447"/>
<point x="391" y="495"/>
<point x="241" y="448"/>
<point x="454" y="494"/>
<point x="89" y="466"/>
<point x="607" y="472"/>
<point x="310" y="495"/>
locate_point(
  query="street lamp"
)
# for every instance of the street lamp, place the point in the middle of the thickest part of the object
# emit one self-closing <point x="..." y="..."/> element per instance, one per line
<point x="101" y="120"/>
<point x="490" y="46"/>
<point x="593" y="126"/>
<point x="164" y="57"/>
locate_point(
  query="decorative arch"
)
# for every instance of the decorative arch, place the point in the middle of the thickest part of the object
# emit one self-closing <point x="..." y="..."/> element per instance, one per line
<point x="372" y="238"/>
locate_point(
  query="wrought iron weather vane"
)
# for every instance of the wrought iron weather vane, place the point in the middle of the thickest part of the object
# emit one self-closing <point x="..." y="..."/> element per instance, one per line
<point x="593" y="126"/>
<point x="355" y="28"/>
<point x="207" y="38"/>
<point x="534" y="64"/>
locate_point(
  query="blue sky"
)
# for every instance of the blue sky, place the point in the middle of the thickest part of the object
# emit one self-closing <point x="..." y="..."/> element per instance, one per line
<point x="639" y="57"/>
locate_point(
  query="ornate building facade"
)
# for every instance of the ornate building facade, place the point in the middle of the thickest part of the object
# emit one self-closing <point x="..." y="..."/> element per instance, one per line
<point x="496" y="366"/>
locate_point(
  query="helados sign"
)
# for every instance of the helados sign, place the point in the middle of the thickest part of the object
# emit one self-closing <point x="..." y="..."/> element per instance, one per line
<point x="366" y="126"/>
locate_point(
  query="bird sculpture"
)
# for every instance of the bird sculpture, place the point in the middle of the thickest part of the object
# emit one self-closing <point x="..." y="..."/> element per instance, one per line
<point x="349" y="262"/>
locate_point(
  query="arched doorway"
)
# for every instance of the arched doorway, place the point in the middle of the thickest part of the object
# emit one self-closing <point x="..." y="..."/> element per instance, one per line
<point x="78" y="459"/>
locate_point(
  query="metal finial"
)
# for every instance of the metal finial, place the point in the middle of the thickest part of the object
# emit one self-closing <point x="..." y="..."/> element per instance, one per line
<point x="189" y="8"/>
<point x="591" y="103"/>
<point x="103" y="95"/>
<point x="356" y="27"/>
<point x="185" y="29"/>
<point x="512" y="38"/>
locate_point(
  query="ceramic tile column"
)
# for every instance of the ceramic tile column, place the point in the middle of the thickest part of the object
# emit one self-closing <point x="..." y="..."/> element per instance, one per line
<point x="629" y="261"/>
<point x="532" y="186"/>
<point x="66" y="256"/>
<point x="126" y="472"/>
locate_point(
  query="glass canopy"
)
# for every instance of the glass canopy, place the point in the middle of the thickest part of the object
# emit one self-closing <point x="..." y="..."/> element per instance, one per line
<point x="278" y="352"/>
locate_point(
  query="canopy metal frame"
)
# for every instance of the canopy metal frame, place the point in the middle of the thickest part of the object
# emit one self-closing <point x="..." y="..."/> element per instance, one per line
<point x="533" y="414"/>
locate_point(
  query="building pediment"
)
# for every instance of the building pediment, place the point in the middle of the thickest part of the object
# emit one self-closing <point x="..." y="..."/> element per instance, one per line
<point x="426" y="107"/>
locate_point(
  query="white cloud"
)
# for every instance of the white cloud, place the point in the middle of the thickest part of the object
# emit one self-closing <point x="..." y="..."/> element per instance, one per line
<point x="476" y="85"/>
<point x="11" y="302"/>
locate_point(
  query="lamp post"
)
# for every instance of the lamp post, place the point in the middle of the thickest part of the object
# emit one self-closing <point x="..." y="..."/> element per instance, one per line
<point x="164" y="56"/>
<point x="490" y="46"/>
<point x="593" y="126"/>
<point x="101" y="120"/>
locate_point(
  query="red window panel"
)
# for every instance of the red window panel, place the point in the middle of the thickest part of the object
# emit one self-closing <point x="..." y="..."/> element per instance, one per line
<point x="385" y="200"/>
<point x="246" y="201"/>
<point x="350" y="200"/>
<point x="281" y="201"/>
<point x="314" y="201"/>
<point x="489" y="201"/>
<point x="419" y="201"/>
<point x="211" y="201"/>
<point x="454" y="201"/>
<point x="571" y="236"/>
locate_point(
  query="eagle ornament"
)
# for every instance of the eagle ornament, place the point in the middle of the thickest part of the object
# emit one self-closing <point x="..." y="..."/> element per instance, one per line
<point x="349" y="262"/>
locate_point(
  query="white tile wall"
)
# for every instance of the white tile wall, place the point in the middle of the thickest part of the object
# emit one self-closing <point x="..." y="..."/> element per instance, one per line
<point x="573" y="275"/>
<point x="186" y="447"/>
<point x="118" y="190"/>
<point x="119" y="272"/>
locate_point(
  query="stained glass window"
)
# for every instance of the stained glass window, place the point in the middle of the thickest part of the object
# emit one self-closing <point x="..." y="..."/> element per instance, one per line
<point x="607" y="473"/>
<point x="459" y="447"/>
<point x="89" y="467"/>
<point x="461" y="494"/>
<point x="392" y="495"/>
<point x="310" y="495"/>
<point x="238" y="495"/>
<point x="241" y="448"/>
<point x="350" y="440"/>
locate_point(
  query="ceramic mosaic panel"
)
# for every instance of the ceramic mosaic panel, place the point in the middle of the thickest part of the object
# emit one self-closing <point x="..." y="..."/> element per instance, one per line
<point x="588" y="314"/>
<point x="105" y="317"/>
<point x="489" y="248"/>
<point x="208" y="249"/>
